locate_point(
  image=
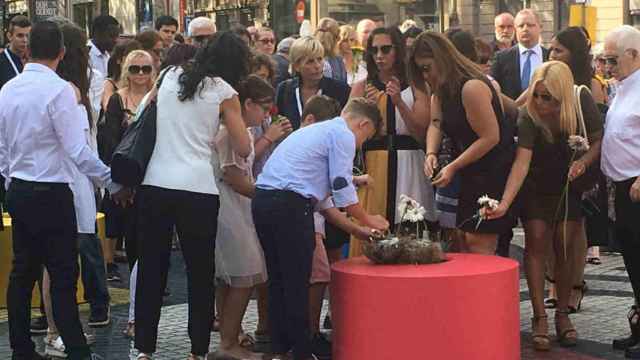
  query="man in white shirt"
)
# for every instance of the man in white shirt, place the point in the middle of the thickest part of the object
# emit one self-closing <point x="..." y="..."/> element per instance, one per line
<point x="105" y="31"/>
<point x="41" y="134"/>
<point x="621" y="162"/>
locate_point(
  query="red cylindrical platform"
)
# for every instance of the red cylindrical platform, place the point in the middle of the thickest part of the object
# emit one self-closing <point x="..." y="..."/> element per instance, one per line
<point x="465" y="308"/>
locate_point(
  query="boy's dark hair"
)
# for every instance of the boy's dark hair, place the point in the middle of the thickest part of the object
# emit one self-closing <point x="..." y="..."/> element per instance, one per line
<point x="259" y="60"/>
<point x="362" y="107"/>
<point x="256" y="89"/>
<point x="321" y="107"/>
<point x="179" y="54"/>
<point x="103" y="24"/>
<point x="166" y="20"/>
<point x="20" y="21"/>
<point x="45" y="40"/>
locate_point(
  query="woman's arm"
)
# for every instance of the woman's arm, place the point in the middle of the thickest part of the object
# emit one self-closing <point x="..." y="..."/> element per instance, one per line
<point x="417" y="117"/>
<point x="476" y="99"/>
<point x="239" y="181"/>
<point x="598" y="93"/>
<point x="109" y="89"/>
<point x="519" y="171"/>
<point x="341" y="221"/>
<point x="434" y="137"/>
<point x="232" y="119"/>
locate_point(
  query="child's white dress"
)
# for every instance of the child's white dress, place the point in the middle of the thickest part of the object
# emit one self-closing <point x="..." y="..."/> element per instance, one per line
<point x="239" y="256"/>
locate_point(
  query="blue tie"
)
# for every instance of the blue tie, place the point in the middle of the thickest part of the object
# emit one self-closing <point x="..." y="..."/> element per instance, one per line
<point x="526" y="70"/>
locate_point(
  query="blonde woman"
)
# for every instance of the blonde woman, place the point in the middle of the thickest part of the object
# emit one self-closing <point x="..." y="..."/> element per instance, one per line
<point x="328" y="33"/>
<point x="541" y="168"/>
<point x="351" y="54"/>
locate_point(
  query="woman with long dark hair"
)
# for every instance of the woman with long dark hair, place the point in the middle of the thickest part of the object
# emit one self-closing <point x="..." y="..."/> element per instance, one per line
<point x="397" y="146"/>
<point x="179" y="188"/>
<point x="74" y="68"/>
<point x="472" y="116"/>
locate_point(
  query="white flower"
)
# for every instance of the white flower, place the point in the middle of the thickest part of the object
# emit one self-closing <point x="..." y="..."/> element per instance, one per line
<point x="389" y="242"/>
<point x="486" y="201"/>
<point x="578" y="143"/>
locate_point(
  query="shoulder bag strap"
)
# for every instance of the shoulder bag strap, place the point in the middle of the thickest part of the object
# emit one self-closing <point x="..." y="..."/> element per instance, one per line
<point x="578" y="105"/>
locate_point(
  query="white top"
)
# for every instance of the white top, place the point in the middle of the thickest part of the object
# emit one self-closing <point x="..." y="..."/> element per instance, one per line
<point x="621" y="141"/>
<point x="41" y="131"/>
<point x="98" y="60"/>
<point x="99" y="63"/>
<point x="536" y="58"/>
<point x="185" y="131"/>
<point x="84" y="199"/>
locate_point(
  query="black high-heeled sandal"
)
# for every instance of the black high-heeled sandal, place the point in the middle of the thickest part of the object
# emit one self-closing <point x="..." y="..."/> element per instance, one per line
<point x="583" y="290"/>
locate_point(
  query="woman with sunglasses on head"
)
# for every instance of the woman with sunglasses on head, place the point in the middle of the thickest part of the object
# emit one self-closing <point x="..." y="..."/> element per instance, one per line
<point x="543" y="165"/>
<point x="398" y="147"/>
<point x="473" y="117"/>
<point x="328" y="33"/>
<point x="351" y="54"/>
<point x="572" y="46"/>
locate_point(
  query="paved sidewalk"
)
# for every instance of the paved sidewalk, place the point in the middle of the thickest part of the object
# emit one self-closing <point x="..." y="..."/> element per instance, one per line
<point x="602" y="318"/>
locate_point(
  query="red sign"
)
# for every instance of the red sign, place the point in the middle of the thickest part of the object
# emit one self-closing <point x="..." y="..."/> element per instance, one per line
<point x="300" y="12"/>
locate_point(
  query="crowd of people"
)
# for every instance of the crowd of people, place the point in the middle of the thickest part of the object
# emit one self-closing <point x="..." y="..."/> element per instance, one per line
<point x="271" y="158"/>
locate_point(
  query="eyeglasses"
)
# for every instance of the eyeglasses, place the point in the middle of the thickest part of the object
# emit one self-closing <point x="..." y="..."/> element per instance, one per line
<point x="611" y="60"/>
<point x="137" y="69"/>
<point x="386" y="49"/>
<point x="267" y="41"/>
<point x="544" y="97"/>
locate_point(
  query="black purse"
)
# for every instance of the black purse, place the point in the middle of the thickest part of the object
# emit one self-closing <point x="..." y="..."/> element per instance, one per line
<point x="131" y="156"/>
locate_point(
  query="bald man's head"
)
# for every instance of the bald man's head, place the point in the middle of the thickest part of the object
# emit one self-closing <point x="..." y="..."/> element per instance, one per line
<point x="364" y="28"/>
<point x="504" y="28"/>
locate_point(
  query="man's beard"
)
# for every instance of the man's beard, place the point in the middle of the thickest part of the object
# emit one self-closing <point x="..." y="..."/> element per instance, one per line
<point x="504" y="39"/>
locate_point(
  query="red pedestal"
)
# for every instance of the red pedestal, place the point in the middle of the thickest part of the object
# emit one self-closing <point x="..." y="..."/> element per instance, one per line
<point x="465" y="308"/>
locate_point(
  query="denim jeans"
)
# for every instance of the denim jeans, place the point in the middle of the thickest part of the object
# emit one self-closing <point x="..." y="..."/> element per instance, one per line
<point x="93" y="273"/>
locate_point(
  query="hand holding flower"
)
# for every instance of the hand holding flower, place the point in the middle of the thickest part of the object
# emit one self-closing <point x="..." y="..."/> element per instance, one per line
<point x="577" y="169"/>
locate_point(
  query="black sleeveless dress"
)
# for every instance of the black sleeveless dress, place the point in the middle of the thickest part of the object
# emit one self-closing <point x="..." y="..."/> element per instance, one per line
<point x="486" y="176"/>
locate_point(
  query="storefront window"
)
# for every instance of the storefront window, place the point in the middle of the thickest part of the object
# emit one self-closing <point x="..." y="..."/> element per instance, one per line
<point x="288" y="15"/>
<point x="510" y="6"/>
<point x="634" y="13"/>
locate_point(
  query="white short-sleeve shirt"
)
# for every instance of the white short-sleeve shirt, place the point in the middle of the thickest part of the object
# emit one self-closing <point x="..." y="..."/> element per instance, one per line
<point x="181" y="159"/>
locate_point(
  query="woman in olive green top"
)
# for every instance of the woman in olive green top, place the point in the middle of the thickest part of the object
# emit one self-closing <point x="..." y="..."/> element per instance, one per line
<point x="543" y="163"/>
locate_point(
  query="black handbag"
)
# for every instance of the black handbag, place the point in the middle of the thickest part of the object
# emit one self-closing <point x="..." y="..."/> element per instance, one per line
<point x="132" y="155"/>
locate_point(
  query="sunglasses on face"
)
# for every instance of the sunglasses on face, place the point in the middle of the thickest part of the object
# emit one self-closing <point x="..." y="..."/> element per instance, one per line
<point x="544" y="97"/>
<point x="137" y="69"/>
<point x="201" y="38"/>
<point x="611" y="60"/>
<point x="386" y="49"/>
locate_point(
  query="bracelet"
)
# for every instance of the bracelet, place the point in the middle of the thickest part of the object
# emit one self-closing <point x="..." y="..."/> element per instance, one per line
<point x="268" y="140"/>
<point x="432" y="153"/>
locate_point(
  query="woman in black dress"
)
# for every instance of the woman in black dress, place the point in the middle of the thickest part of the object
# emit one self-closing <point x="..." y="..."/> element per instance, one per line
<point x="472" y="116"/>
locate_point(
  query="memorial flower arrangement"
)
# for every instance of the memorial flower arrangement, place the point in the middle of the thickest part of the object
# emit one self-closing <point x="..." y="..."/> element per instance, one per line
<point x="407" y="245"/>
<point x="275" y="118"/>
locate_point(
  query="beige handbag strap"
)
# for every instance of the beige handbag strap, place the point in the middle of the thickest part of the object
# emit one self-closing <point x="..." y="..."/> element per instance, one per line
<point x="578" y="104"/>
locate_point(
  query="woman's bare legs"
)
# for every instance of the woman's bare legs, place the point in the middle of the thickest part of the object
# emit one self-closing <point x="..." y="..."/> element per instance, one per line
<point x="52" y="331"/>
<point x="231" y="305"/>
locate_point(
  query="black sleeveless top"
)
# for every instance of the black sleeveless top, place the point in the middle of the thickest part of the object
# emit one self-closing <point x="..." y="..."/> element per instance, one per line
<point x="456" y="125"/>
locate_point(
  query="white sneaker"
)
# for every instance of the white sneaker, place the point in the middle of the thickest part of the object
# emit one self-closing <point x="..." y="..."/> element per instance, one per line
<point x="55" y="348"/>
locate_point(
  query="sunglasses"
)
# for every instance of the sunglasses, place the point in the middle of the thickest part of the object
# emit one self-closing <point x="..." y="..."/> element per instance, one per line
<point x="201" y="38"/>
<point x="544" y="97"/>
<point x="611" y="60"/>
<point x="268" y="41"/>
<point x="386" y="49"/>
<point x="137" y="69"/>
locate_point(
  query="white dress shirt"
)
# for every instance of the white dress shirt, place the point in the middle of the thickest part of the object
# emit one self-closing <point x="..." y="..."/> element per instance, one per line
<point x="99" y="63"/>
<point x="621" y="141"/>
<point x="42" y="133"/>
<point x="182" y="157"/>
<point x="536" y="58"/>
<point x="316" y="162"/>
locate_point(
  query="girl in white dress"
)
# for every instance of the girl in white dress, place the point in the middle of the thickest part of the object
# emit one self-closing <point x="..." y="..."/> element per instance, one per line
<point x="239" y="261"/>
